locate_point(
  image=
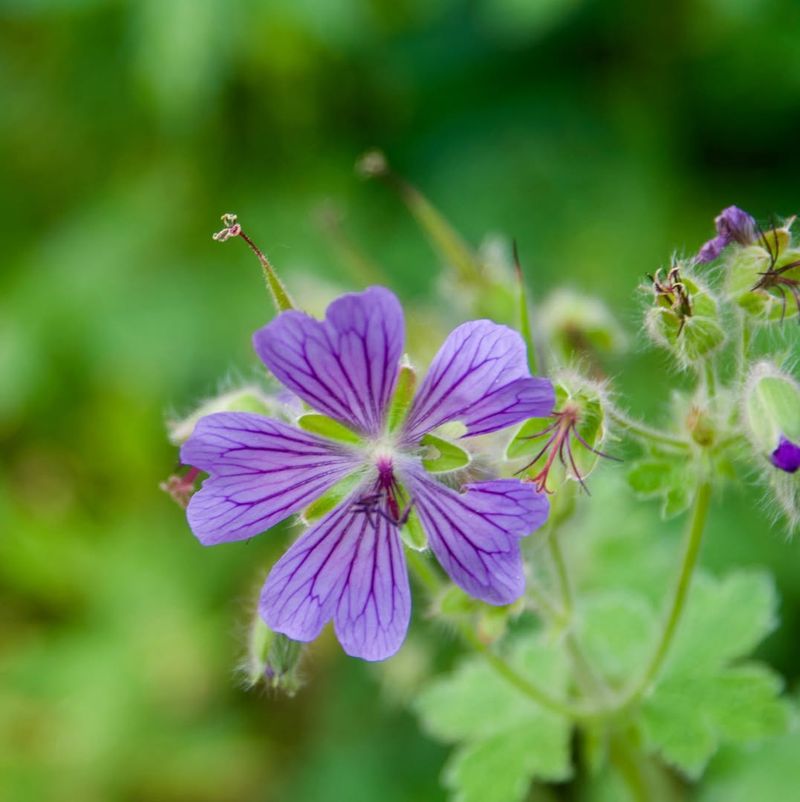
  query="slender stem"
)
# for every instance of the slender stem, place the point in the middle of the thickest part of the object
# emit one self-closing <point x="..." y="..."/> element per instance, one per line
<point x="522" y="683"/>
<point x="590" y="683"/>
<point x="629" y="767"/>
<point x="564" y="587"/>
<point x="545" y="605"/>
<point x="694" y="538"/>
<point x="645" y="432"/>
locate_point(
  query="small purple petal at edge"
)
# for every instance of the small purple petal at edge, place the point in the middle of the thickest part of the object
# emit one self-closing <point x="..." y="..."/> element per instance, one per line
<point x="786" y="456"/>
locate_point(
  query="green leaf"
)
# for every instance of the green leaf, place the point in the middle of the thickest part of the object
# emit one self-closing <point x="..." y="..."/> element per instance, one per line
<point x="616" y="630"/>
<point x="506" y="739"/>
<point x="687" y="717"/>
<point x="327" y="427"/>
<point x="725" y="619"/>
<point x="474" y="701"/>
<point x="768" y="772"/>
<point x="650" y="477"/>
<point x="661" y="477"/>
<point x="700" y="701"/>
<point x="500" y="768"/>
<point x="442" y="455"/>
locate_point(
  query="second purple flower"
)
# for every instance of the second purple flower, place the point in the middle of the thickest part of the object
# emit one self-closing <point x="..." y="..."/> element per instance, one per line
<point x="349" y="566"/>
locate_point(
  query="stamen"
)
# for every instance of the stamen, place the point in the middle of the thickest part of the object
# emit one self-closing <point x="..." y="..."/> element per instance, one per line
<point x="384" y="501"/>
<point x="559" y="445"/>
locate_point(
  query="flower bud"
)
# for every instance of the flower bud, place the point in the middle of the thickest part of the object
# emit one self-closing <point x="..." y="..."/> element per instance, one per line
<point x="245" y="399"/>
<point x="272" y="658"/>
<point x="772" y="415"/>
<point x="684" y="317"/>
<point x="733" y="225"/>
<point x="578" y="324"/>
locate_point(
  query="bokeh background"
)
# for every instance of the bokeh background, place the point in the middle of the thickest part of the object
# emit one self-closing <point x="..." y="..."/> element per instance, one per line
<point x="602" y="134"/>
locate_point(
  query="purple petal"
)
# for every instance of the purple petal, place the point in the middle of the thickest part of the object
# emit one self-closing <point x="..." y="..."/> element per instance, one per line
<point x="480" y="377"/>
<point x="372" y="617"/>
<point x="344" y="366"/>
<point x="475" y="535"/>
<point x="712" y="249"/>
<point x="787" y="455"/>
<point x="736" y="225"/>
<point x="349" y="567"/>
<point x="733" y="225"/>
<point x="260" y="472"/>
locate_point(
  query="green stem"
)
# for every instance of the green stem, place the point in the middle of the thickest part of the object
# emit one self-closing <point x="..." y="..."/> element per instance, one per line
<point x="645" y="432"/>
<point x="629" y="767"/>
<point x="522" y="683"/>
<point x="694" y="538"/>
<point x="562" y="575"/>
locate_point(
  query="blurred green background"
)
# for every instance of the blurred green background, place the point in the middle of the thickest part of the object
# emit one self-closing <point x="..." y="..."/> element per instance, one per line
<point x="602" y="135"/>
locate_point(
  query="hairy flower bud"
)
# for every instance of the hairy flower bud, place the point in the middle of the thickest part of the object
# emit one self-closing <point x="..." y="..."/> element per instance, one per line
<point x="579" y="325"/>
<point x="272" y="658"/>
<point x="733" y="225"/>
<point x="684" y="317"/>
<point x="772" y="415"/>
<point x="249" y="398"/>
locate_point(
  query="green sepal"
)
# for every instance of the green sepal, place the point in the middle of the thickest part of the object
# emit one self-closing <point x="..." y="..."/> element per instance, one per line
<point x="744" y="270"/>
<point x="325" y="503"/>
<point x="443" y="455"/>
<point x="412" y="532"/>
<point x="402" y="398"/>
<point x="327" y="427"/>
<point x="691" y="336"/>
<point x="772" y="407"/>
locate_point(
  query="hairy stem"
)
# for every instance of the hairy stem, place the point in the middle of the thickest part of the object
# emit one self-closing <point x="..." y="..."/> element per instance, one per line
<point x="279" y="293"/>
<point x="564" y="587"/>
<point x="644" y="432"/>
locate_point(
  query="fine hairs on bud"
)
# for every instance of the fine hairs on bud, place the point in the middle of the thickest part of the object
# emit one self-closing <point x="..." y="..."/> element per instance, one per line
<point x="269" y="660"/>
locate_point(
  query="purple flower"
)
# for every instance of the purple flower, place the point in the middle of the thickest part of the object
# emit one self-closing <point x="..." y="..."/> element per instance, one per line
<point x="733" y="225"/>
<point x="349" y="566"/>
<point x="786" y="456"/>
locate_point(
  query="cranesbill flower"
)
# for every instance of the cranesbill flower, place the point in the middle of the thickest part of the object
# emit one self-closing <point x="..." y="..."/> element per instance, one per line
<point x="733" y="225"/>
<point x="787" y="455"/>
<point x="350" y="566"/>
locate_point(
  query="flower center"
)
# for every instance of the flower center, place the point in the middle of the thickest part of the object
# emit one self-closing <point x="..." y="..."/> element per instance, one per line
<point x="384" y="498"/>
